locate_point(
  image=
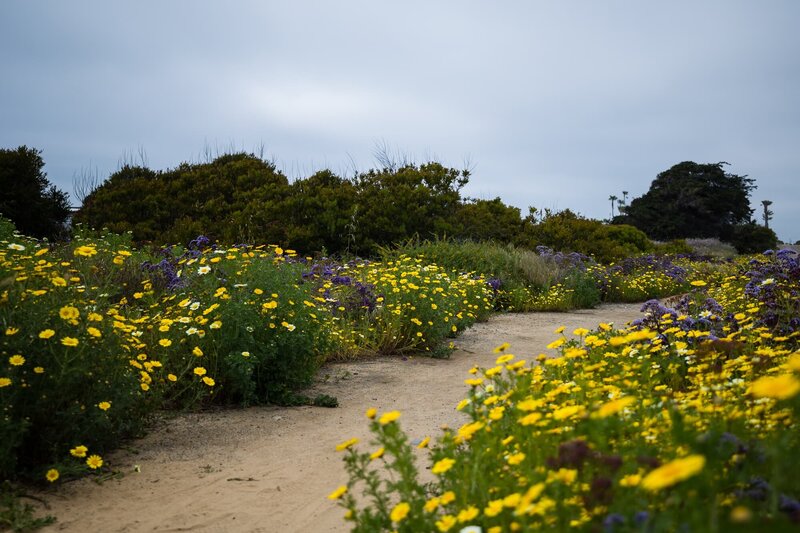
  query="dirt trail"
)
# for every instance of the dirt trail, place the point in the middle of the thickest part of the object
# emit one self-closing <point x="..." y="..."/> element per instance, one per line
<point x="269" y="469"/>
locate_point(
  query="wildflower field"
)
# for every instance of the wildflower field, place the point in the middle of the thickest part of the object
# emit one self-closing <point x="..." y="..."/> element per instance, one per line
<point x="686" y="420"/>
<point x="96" y="335"/>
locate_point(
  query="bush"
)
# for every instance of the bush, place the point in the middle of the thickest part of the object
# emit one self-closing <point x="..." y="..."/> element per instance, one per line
<point x="751" y="238"/>
<point x="567" y="231"/>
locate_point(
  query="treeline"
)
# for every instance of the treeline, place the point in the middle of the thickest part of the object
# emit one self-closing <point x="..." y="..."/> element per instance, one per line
<point x="241" y="198"/>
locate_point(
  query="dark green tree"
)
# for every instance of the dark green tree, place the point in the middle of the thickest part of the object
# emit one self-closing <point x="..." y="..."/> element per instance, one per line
<point x="410" y="201"/>
<point x="691" y="200"/>
<point x="37" y="208"/>
<point x="751" y="238"/>
<point x="487" y="220"/>
<point x="235" y="198"/>
<point x="320" y="210"/>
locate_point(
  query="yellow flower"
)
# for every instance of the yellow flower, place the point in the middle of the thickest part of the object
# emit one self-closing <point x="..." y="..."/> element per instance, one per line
<point x="69" y="341"/>
<point x="387" y="418"/>
<point x="468" y="514"/>
<point x="69" y="312"/>
<point x="399" y="512"/>
<point x="79" y="451"/>
<point x="346" y="444"/>
<point x="197" y="351"/>
<point x="568" y="411"/>
<point x="673" y="472"/>
<point x="446" y="523"/>
<point x="85" y="251"/>
<point x="172" y="377"/>
<point x="431" y="505"/>
<point x="338" y="493"/>
<point x="698" y="283"/>
<point x="16" y="360"/>
<point x="448" y="497"/>
<point x="4" y="382"/>
<point x="503" y="347"/>
<point x="46" y="334"/>
<point x="631" y="480"/>
<point x="199" y="371"/>
<point x="779" y="387"/>
<point x="11" y="331"/>
<point x="165" y="342"/>
<point x="741" y="514"/>
<point x="371" y="413"/>
<point x="377" y="454"/>
<point x="516" y="459"/>
<point x="94" y="461"/>
<point x="580" y="332"/>
<point x="94" y="332"/>
<point x="443" y="465"/>
<point x="52" y="475"/>
<point x="104" y="406"/>
<point x="424" y="443"/>
<point x="494" y="508"/>
<point x="613" y="407"/>
<point x="59" y="281"/>
<point x="556" y="343"/>
<point x="504" y="359"/>
<point x="208" y="381"/>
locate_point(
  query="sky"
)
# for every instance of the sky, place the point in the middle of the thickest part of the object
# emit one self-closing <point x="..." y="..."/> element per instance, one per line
<point x="550" y="104"/>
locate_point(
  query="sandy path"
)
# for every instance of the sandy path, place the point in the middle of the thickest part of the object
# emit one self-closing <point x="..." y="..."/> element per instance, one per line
<point x="270" y="469"/>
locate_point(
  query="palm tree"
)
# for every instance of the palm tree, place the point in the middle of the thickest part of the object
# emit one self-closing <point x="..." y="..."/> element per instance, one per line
<point x="613" y="199"/>
<point x="767" y="212"/>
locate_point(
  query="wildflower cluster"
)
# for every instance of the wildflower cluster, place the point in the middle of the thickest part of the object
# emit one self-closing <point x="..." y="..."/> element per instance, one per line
<point x="627" y="430"/>
<point x="96" y="335"/>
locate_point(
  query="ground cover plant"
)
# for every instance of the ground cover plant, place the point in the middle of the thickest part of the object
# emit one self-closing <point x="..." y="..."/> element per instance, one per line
<point x="685" y="420"/>
<point x="96" y="334"/>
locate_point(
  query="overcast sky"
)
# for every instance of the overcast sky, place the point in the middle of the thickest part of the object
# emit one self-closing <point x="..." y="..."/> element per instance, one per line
<point x="553" y="104"/>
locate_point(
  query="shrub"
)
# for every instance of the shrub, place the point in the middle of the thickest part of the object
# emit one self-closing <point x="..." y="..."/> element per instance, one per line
<point x="567" y="231"/>
<point x="751" y="238"/>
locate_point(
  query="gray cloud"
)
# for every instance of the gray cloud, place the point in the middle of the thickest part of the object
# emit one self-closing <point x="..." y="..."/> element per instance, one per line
<point x="558" y="105"/>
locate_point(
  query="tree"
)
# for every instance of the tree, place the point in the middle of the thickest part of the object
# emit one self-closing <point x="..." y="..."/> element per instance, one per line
<point x="395" y="204"/>
<point x="613" y="199"/>
<point x="767" y="212"/>
<point x="691" y="200"/>
<point x="38" y="208"/>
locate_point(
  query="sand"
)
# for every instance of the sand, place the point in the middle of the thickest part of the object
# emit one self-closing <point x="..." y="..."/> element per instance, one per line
<point x="269" y="469"/>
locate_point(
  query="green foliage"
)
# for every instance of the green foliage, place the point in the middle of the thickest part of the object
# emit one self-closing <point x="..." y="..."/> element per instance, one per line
<point x="320" y="209"/>
<point x="515" y="267"/>
<point x="16" y="515"/>
<point x="36" y="207"/>
<point x="394" y="205"/>
<point x="235" y="198"/>
<point x="691" y="200"/>
<point x="7" y="229"/>
<point x="751" y="238"/>
<point x="567" y="231"/>
<point x="487" y="220"/>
